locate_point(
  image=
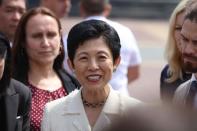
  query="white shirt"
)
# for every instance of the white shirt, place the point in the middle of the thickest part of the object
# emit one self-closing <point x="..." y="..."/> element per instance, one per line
<point x="193" y="78"/>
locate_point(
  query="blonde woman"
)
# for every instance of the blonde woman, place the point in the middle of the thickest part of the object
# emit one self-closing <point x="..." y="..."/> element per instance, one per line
<point x="173" y="75"/>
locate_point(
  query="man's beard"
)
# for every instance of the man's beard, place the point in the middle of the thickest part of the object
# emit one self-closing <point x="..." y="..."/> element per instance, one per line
<point x="189" y="66"/>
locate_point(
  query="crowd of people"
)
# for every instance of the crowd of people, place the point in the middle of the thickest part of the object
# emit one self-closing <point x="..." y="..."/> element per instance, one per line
<point x="50" y="81"/>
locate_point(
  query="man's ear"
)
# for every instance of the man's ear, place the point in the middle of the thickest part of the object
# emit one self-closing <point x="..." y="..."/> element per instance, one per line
<point x="81" y="10"/>
<point x="107" y="10"/>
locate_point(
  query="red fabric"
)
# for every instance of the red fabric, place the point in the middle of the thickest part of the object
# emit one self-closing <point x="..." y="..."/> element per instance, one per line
<point x="39" y="99"/>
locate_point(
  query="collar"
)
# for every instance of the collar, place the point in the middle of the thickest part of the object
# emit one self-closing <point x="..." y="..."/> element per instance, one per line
<point x="96" y="17"/>
<point x="113" y="103"/>
<point x="193" y="78"/>
<point x="75" y="105"/>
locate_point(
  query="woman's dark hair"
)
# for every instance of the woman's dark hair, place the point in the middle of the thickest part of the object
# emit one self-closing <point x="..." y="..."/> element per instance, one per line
<point x="92" y="29"/>
<point x="20" y="58"/>
<point x="5" y="53"/>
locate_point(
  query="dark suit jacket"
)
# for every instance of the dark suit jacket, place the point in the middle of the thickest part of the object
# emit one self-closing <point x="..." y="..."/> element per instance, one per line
<point x="167" y="90"/>
<point x="17" y="102"/>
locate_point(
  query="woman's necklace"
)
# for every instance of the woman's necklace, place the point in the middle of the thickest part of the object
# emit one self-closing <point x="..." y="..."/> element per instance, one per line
<point x="92" y="105"/>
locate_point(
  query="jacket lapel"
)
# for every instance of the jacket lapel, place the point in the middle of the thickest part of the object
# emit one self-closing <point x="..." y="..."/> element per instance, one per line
<point x="80" y="122"/>
<point x="110" y="112"/>
<point x="11" y="106"/>
<point x="76" y="109"/>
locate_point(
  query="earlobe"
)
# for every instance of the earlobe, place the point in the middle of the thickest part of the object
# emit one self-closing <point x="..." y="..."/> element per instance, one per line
<point x="107" y="10"/>
<point x="117" y="62"/>
<point x="81" y="10"/>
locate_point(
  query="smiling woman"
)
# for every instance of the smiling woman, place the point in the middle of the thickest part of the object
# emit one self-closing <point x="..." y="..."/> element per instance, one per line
<point x="94" y="52"/>
<point x="95" y="64"/>
<point x="38" y="56"/>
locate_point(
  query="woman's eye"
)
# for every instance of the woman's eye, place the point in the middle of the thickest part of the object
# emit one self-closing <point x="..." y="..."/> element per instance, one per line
<point x="39" y="35"/>
<point x="102" y="57"/>
<point x="83" y="58"/>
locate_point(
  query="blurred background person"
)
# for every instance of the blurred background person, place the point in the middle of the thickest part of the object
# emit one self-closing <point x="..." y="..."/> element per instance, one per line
<point x="129" y="68"/>
<point x="186" y="93"/>
<point x="38" y="54"/>
<point x="60" y="8"/>
<point x="10" y="13"/>
<point x="15" y="97"/>
<point x="94" y="52"/>
<point x="173" y="73"/>
<point x="156" y="118"/>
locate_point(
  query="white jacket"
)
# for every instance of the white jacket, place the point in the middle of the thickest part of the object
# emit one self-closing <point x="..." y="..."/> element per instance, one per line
<point x="68" y="114"/>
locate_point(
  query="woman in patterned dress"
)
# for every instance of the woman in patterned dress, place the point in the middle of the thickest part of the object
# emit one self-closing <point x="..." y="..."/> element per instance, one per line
<point x="38" y="55"/>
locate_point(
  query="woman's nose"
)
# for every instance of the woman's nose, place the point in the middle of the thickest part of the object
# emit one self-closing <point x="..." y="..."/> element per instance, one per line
<point x="93" y="65"/>
<point x="45" y="41"/>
